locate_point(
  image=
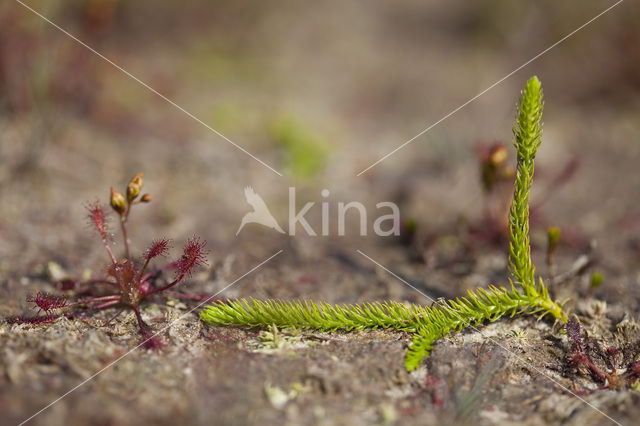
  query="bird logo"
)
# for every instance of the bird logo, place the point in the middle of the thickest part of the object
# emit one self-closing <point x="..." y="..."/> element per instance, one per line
<point x="260" y="213"/>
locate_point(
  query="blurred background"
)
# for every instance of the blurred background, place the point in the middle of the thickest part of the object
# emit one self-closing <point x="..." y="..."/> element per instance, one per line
<point x="318" y="91"/>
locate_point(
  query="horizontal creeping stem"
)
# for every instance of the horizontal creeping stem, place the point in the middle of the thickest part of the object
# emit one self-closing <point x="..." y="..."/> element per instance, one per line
<point x="430" y="323"/>
<point x="477" y="307"/>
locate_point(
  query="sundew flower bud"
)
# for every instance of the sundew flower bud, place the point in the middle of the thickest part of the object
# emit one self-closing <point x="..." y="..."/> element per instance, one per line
<point x="118" y="202"/>
<point x="134" y="187"/>
<point x="497" y="155"/>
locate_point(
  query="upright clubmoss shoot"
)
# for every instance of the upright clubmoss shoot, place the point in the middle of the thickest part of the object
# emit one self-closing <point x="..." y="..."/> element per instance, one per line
<point x="527" y="136"/>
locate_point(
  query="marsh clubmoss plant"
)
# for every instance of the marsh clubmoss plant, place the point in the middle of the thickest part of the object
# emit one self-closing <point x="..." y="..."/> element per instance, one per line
<point x="129" y="281"/>
<point x="524" y="295"/>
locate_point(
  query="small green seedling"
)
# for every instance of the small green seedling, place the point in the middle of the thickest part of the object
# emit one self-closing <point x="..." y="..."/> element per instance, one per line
<point x="305" y="152"/>
<point x="553" y="239"/>
<point x="429" y="323"/>
<point x="596" y="280"/>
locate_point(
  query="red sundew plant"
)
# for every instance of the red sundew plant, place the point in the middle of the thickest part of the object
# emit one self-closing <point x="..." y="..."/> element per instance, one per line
<point x="617" y="375"/>
<point x="128" y="282"/>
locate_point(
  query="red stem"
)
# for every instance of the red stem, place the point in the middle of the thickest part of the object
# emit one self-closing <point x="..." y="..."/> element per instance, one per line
<point x="586" y="360"/>
<point x="139" y="274"/>
<point x="123" y="225"/>
<point x="106" y="304"/>
<point x="113" y="297"/>
<point x="106" y="245"/>
<point x="171" y="284"/>
<point x="100" y="281"/>
<point x="147" y="332"/>
<point x="124" y="236"/>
